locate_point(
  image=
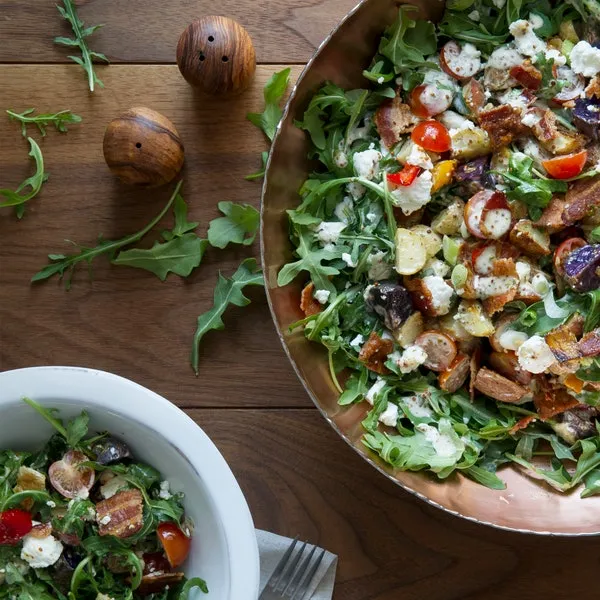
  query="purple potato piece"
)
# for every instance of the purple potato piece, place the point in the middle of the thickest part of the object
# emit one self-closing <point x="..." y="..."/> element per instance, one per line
<point x="391" y="301"/>
<point x="109" y="450"/>
<point x="474" y="170"/>
<point x="576" y="424"/>
<point x="586" y="116"/>
<point x="582" y="268"/>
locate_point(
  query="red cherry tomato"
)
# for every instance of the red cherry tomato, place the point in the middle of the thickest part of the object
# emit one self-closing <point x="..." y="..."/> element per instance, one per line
<point x="565" y="167"/>
<point x="405" y="177"/>
<point x="175" y="543"/>
<point x="562" y="252"/>
<point x="432" y="136"/>
<point x="68" y="477"/>
<point x="416" y="105"/>
<point x="15" y="524"/>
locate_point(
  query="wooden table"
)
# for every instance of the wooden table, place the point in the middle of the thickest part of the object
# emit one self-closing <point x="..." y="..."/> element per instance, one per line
<point x="298" y="476"/>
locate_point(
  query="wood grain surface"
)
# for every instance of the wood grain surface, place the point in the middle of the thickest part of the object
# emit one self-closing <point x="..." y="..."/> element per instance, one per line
<point x="298" y="476"/>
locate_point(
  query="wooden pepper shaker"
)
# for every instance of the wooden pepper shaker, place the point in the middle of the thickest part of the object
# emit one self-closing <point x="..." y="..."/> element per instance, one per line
<point x="216" y="55"/>
<point x="142" y="147"/>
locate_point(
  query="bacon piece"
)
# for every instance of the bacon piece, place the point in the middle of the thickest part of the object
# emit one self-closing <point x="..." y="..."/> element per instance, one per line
<point x="551" y="401"/>
<point x="546" y="129"/>
<point x="563" y="344"/>
<point x="589" y="344"/>
<point x="551" y="219"/>
<point x="374" y="353"/>
<point x="393" y="119"/>
<point x="308" y="305"/>
<point x="502" y="123"/>
<point x="421" y="296"/>
<point x="507" y="364"/>
<point x="593" y="88"/>
<point x="522" y="423"/>
<point x="527" y="75"/>
<point x="454" y="378"/>
<point x="122" y="515"/>
<point x="499" y="388"/>
<point x="580" y="199"/>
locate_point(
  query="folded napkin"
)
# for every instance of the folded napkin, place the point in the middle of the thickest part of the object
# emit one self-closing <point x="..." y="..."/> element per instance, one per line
<point x="272" y="547"/>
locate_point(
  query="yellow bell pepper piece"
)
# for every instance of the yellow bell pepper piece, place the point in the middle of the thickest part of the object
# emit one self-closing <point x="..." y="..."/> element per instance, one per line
<point x="442" y="174"/>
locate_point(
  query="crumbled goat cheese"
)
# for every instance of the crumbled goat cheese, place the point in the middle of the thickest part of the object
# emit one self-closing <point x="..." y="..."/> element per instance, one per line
<point x="504" y="58"/>
<point x="412" y="358"/>
<point x="340" y="159"/>
<point x="535" y="355"/>
<point x="41" y="553"/>
<point x="417" y="406"/>
<point x="437" y="266"/>
<point x="474" y="15"/>
<point x="374" y="390"/>
<point x="344" y="210"/>
<point x="348" y="260"/>
<point x="380" y="80"/>
<point x="357" y="342"/>
<point x="112" y="485"/>
<point x="105" y="520"/>
<point x="585" y="59"/>
<point x="356" y="190"/>
<point x="487" y="287"/>
<point x="557" y="56"/>
<point x="419" y="158"/>
<point x="410" y="198"/>
<point x="165" y="488"/>
<point x="328" y="232"/>
<point x="512" y="340"/>
<point x="442" y="444"/>
<point x="441" y="293"/>
<point x="378" y="267"/>
<point x="536" y="21"/>
<point x="366" y="163"/>
<point x="527" y="42"/>
<point x="51" y="504"/>
<point x="321" y="296"/>
<point x="389" y="416"/>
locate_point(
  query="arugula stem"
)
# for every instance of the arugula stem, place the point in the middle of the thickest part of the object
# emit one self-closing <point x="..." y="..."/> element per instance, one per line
<point x="44" y="412"/>
<point x="85" y="53"/>
<point x="334" y="378"/>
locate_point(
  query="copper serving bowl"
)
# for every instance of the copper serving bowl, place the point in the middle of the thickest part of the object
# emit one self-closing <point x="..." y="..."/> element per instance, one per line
<point x="526" y="505"/>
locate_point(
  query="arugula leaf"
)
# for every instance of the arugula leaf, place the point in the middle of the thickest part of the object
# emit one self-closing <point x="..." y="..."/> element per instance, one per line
<point x="238" y="226"/>
<point x="356" y="388"/>
<point x="273" y="93"/>
<point x="227" y="291"/>
<point x="77" y="429"/>
<point x="181" y="255"/>
<point x="407" y="42"/>
<point x="261" y="173"/>
<point x="550" y="85"/>
<point x="35" y="182"/>
<point x="74" y="520"/>
<point x="60" y="120"/>
<point x="182" y="225"/>
<point x="594" y="235"/>
<point x="61" y="263"/>
<point x="591" y="372"/>
<point x="485" y="477"/>
<point x="49" y="414"/>
<point x="69" y="12"/>
<point x="195" y="582"/>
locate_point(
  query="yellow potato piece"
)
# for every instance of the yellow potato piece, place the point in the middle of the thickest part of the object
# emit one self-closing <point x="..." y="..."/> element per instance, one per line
<point x="411" y="253"/>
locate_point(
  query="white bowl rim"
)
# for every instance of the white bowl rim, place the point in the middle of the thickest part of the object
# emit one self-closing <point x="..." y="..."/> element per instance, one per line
<point x="236" y="520"/>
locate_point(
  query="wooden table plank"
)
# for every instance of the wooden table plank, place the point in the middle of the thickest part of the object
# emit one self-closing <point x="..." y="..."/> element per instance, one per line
<point x="126" y="320"/>
<point x="147" y="31"/>
<point x="299" y="479"/>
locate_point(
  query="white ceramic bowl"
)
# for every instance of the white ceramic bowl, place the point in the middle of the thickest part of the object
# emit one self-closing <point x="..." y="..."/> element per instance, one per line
<point x="224" y="549"/>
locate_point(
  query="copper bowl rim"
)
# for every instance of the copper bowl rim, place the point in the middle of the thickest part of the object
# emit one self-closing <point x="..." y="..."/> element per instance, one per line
<point x="368" y="459"/>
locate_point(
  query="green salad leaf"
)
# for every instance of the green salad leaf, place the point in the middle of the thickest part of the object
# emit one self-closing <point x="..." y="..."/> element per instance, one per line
<point x="60" y="120"/>
<point x="273" y="93"/>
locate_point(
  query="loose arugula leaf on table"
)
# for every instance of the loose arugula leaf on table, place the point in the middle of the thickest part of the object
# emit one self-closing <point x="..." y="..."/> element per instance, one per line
<point x="529" y="187"/>
<point x="35" y="182"/>
<point x="273" y="93"/>
<point x="261" y="173"/>
<point x="238" y="226"/>
<point x="227" y="291"/>
<point x="60" y="120"/>
<point x="69" y="12"/>
<point x="61" y="263"/>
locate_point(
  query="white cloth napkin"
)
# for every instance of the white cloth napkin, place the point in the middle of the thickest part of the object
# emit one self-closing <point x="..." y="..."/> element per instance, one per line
<point x="272" y="547"/>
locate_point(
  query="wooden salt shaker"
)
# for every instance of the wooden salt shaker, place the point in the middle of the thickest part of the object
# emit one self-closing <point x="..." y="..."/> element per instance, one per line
<point x="216" y="55"/>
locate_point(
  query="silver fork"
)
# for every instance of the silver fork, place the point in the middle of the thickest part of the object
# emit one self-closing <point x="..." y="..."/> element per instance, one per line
<point x="291" y="580"/>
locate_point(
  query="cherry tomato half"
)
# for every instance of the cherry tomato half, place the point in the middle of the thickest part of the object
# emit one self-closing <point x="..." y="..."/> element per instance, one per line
<point x="432" y="136"/>
<point x="175" y="543"/>
<point x="15" y="524"/>
<point x="405" y="177"/>
<point x="68" y="477"/>
<point x="565" y="167"/>
<point x="562" y="252"/>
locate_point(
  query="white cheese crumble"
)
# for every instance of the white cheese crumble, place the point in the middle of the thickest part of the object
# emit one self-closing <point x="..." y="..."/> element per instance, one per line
<point x="389" y="416"/>
<point x="442" y="444"/>
<point x="105" y="520"/>
<point x="417" y="406"/>
<point x="504" y="58"/>
<point x="112" y="485"/>
<point x="512" y="340"/>
<point x="357" y="342"/>
<point x="531" y="118"/>
<point x="344" y="210"/>
<point x="557" y="56"/>
<point x="378" y="267"/>
<point x="348" y="260"/>
<point x="374" y="390"/>
<point x="536" y="21"/>
<point x="51" y="504"/>
<point x="585" y="59"/>
<point x="437" y="266"/>
<point x="165" y="488"/>
<point x="340" y="159"/>
<point x="356" y="190"/>
<point x="366" y="163"/>
<point x="527" y="42"/>
<point x="467" y="62"/>
<point x="535" y="355"/>
<point x="499" y="4"/>
<point x="441" y="293"/>
<point x="322" y="296"/>
<point x="410" y="198"/>
<point x="411" y="359"/>
<point x="474" y="15"/>
<point x="328" y="232"/>
<point x="419" y="158"/>
<point x="41" y="553"/>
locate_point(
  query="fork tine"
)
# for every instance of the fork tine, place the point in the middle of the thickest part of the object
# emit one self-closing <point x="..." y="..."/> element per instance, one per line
<point x="302" y="589"/>
<point x="290" y="569"/>
<point x="298" y="576"/>
<point x="274" y="579"/>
